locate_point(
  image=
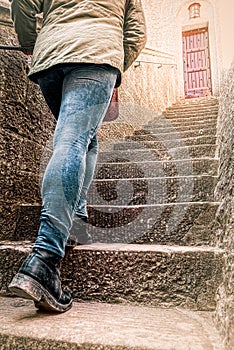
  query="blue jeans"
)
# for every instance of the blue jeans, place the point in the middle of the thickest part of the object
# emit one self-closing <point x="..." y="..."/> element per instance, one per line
<point x="78" y="96"/>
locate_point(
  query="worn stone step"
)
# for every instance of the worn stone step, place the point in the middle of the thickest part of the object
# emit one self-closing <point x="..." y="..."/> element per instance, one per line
<point x="166" y="127"/>
<point x="102" y="326"/>
<point x="175" y="223"/>
<point x="188" y="119"/>
<point x="155" y="190"/>
<point x="160" y="142"/>
<point x="147" y="169"/>
<point x="148" y="135"/>
<point x="193" y="106"/>
<point x="173" y="117"/>
<point x="165" y="122"/>
<point x="163" y="153"/>
<point x="154" y="275"/>
<point x="178" y="223"/>
<point x="191" y="113"/>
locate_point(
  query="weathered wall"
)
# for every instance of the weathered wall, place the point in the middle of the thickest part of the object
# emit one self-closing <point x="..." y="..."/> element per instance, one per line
<point x="225" y="216"/>
<point x="25" y="127"/>
<point x="226" y="10"/>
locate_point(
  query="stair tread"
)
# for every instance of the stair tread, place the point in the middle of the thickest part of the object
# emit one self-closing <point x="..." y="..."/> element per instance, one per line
<point x="102" y="326"/>
<point x="161" y="161"/>
<point x="25" y="246"/>
<point x="153" y="275"/>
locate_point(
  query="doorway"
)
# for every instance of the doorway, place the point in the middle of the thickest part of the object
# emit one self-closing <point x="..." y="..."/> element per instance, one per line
<point x="196" y="63"/>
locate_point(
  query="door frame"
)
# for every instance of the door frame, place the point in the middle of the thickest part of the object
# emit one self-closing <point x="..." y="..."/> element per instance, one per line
<point x="196" y="62"/>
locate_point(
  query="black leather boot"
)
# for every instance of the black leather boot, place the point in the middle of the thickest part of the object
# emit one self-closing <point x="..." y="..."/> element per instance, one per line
<point x="38" y="279"/>
<point x="79" y="232"/>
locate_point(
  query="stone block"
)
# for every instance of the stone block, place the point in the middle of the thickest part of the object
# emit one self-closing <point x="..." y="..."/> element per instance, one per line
<point x="151" y="191"/>
<point x="19" y="222"/>
<point x="160" y="142"/>
<point x="144" y="154"/>
<point x="22" y="186"/>
<point x="140" y="274"/>
<point x="180" y="224"/>
<point x="173" y="224"/>
<point x="146" y="135"/>
<point x="168" y="127"/>
<point x="150" y="169"/>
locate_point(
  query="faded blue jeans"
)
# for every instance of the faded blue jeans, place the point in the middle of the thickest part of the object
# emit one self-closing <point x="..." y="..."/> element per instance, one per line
<point x="78" y="96"/>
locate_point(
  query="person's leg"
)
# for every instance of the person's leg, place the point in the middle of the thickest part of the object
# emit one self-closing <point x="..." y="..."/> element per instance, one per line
<point x="79" y="229"/>
<point x="51" y="83"/>
<point x="85" y="97"/>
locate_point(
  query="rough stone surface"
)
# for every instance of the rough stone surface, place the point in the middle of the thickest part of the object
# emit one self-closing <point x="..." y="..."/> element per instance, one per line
<point x="99" y="326"/>
<point x="159" y="224"/>
<point x="158" y="190"/>
<point x="26" y="125"/>
<point x="155" y="199"/>
<point x="140" y="274"/>
<point x="162" y="128"/>
<point x="20" y="221"/>
<point x="202" y="166"/>
<point x="181" y="152"/>
<point x="173" y="224"/>
<point x="225" y="214"/>
<point x="200" y="140"/>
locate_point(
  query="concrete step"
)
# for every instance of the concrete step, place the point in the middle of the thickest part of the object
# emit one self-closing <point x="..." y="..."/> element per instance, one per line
<point x="189" y="223"/>
<point x="163" y="153"/>
<point x="166" y="127"/>
<point x="147" y="169"/>
<point x="148" y="135"/>
<point x="160" y="190"/>
<point x="155" y="275"/>
<point x="101" y="326"/>
<point x="160" y="142"/>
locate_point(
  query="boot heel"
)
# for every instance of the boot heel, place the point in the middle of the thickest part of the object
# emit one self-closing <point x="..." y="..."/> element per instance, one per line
<point x="25" y="287"/>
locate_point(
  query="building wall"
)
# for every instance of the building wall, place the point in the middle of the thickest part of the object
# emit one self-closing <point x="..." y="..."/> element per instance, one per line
<point x="225" y="9"/>
<point x="166" y="19"/>
<point x="144" y="86"/>
<point x="225" y="216"/>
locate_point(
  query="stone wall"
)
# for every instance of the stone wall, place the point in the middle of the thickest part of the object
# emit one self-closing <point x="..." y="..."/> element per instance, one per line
<point x="224" y="193"/>
<point x="26" y="125"/>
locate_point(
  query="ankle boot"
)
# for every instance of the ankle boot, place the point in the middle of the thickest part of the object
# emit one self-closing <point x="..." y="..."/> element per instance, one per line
<point x="79" y="232"/>
<point x="38" y="279"/>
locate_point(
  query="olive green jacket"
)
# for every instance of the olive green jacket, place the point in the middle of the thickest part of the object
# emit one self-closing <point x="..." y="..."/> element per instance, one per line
<point x="102" y="32"/>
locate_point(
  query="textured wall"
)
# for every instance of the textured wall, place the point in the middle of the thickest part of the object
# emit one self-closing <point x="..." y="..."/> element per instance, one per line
<point x="225" y="215"/>
<point x="25" y="127"/>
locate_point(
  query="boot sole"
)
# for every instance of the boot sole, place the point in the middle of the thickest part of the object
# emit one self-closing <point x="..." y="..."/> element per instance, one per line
<point x="26" y="287"/>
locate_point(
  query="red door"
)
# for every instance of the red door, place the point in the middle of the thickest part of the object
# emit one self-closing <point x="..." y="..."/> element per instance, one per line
<point x="196" y="60"/>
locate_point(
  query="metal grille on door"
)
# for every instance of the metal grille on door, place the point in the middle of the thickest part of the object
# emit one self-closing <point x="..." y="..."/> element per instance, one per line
<point x="196" y="63"/>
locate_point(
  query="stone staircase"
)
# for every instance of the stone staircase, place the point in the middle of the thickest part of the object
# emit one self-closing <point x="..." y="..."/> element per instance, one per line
<point x="152" y="266"/>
